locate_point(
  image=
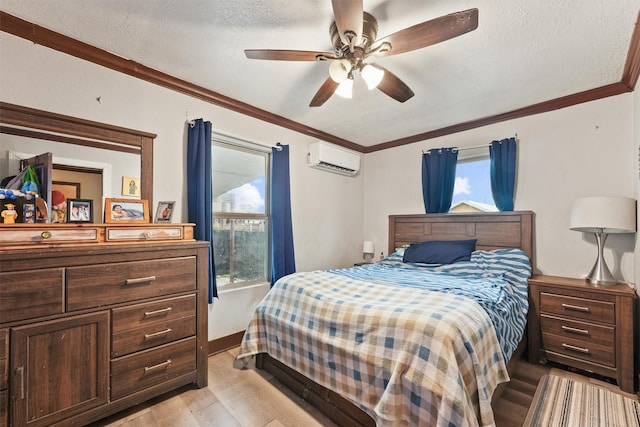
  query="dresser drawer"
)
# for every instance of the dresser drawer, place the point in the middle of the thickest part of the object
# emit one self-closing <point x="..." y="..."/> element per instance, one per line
<point x="135" y="316"/>
<point x="105" y="284"/>
<point x="4" y="406"/>
<point x="150" y="367"/>
<point x="144" y="233"/>
<point x="30" y="294"/>
<point x="578" y="308"/>
<point x="45" y="236"/>
<point x="152" y="335"/>
<point x="579" y="349"/>
<point x="586" y="332"/>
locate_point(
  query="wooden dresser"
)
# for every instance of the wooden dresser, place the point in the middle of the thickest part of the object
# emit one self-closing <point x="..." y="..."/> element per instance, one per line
<point x="587" y="327"/>
<point x="89" y="329"/>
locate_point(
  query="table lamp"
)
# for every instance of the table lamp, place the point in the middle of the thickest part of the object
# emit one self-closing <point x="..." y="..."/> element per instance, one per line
<point x="603" y="216"/>
<point x="367" y="251"/>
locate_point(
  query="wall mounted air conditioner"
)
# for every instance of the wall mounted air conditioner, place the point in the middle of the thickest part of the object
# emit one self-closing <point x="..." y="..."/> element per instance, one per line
<point x="333" y="158"/>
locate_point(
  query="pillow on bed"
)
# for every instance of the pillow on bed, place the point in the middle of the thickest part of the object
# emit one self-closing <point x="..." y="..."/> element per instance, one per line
<point x="440" y="251"/>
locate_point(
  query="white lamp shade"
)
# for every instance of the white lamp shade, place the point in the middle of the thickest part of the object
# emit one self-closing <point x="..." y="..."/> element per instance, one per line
<point x="372" y="76"/>
<point x="345" y="89"/>
<point x="339" y="70"/>
<point x="367" y="247"/>
<point x="611" y="214"/>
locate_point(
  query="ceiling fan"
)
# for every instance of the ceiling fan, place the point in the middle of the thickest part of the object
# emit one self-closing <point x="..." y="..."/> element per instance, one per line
<point x="353" y="35"/>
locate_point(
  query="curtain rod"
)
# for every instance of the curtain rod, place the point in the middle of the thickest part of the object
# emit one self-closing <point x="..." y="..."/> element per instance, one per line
<point x="465" y="148"/>
<point x="238" y="142"/>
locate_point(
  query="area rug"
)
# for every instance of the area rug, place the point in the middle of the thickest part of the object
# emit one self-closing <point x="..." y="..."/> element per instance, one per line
<point x="563" y="402"/>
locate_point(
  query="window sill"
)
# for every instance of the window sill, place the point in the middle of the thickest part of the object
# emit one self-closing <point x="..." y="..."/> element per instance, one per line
<point x="240" y="286"/>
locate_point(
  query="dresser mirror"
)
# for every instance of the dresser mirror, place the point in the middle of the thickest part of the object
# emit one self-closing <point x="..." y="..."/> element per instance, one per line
<point x="94" y="156"/>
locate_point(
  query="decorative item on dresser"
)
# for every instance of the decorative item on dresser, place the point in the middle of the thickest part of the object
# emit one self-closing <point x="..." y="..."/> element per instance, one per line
<point x="89" y="327"/>
<point x="583" y="326"/>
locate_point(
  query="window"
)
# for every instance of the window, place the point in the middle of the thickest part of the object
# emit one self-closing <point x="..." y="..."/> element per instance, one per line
<point x="472" y="189"/>
<point x="240" y="215"/>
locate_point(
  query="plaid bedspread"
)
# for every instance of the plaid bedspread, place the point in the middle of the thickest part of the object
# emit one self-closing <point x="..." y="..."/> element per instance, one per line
<point x="406" y="356"/>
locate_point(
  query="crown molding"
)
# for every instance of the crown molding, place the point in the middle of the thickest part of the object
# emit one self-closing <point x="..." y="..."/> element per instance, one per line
<point x="51" y="39"/>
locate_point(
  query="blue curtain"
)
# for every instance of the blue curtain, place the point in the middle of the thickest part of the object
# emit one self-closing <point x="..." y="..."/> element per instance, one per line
<point x="503" y="172"/>
<point x="282" y="255"/>
<point x="438" y="179"/>
<point x="199" y="190"/>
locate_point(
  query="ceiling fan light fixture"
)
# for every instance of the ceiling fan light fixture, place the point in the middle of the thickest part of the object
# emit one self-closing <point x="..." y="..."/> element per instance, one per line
<point x="372" y="76"/>
<point x="345" y="89"/>
<point x="339" y="70"/>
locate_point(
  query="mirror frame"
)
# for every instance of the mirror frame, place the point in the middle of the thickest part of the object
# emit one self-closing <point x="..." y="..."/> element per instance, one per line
<point x="71" y="130"/>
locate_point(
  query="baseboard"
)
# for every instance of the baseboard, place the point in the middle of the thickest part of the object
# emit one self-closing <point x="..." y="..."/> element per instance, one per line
<point x="225" y="343"/>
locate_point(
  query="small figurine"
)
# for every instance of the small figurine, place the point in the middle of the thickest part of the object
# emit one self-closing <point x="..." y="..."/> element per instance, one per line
<point x="9" y="215"/>
<point x="58" y="207"/>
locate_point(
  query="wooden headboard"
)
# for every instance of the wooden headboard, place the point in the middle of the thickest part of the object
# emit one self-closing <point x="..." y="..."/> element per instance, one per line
<point x="494" y="230"/>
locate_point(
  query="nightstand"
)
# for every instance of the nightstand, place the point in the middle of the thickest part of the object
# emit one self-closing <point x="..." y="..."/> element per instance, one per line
<point x="584" y="326"/>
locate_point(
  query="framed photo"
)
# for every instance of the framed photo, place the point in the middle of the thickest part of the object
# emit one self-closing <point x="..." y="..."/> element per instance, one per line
<point x="79" y="210"/>
<point x="130" y="186"/>
<point x="126" y="211"/>
<point x="164" y="211"/>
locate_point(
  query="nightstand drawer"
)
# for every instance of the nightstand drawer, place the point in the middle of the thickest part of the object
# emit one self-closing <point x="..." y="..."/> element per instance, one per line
<point x="588" y="333"/>
<point x="578" y="308"/>
<point x="579" y="349"/>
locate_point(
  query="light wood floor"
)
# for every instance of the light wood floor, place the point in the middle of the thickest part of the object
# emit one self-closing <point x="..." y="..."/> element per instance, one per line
<point x="252" y="398"/>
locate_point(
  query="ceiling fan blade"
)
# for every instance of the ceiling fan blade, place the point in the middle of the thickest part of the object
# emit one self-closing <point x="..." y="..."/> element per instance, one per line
<point x="430" y="32"/>
<point x="288" y="55"/>
<point x="349" y="16"/>
<point x="394" y="87"/>
<point x="324" y="93"/>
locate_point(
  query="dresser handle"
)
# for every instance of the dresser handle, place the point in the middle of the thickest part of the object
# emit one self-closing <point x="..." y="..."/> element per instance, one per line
<point x="576" y="308"/>
<point x="45" y="235"/>
<point x="575" y="348"/>
<point x="156" y="334"/>
<point x="20" y="371"/>
<point x="140" y="280"/>
<point x="158" y="366"/>
<point x="575" y="330"/>
<point x="157" y="312"/>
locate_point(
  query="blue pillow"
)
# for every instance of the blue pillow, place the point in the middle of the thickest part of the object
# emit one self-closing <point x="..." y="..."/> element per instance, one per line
<point x="440" y="251"/>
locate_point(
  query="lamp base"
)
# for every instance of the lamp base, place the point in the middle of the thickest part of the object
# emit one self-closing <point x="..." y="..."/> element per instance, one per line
<point x="368" y="258"/>
<point x="600" y="273"/>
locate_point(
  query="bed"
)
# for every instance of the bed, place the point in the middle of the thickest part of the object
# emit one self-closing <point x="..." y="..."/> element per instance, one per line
<point x="383" y="345"/>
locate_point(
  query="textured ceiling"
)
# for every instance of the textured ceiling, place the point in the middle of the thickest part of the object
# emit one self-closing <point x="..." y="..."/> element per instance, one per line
<point x="522" y="53"/>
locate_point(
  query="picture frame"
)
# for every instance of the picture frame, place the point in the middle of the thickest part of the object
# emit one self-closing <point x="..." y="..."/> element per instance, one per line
<point x="164" y="212"/>
<point x="79" y="210"/>
<point x="126" y="211"/>
<point x="130" y="186"/>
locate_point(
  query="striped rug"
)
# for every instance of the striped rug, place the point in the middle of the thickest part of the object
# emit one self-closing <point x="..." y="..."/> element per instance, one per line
<point x="563" y="402"/>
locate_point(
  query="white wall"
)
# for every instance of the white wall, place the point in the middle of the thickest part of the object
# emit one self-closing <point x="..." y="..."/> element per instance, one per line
<point x="326" y="208"/>
<point x="578" y="151"/>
